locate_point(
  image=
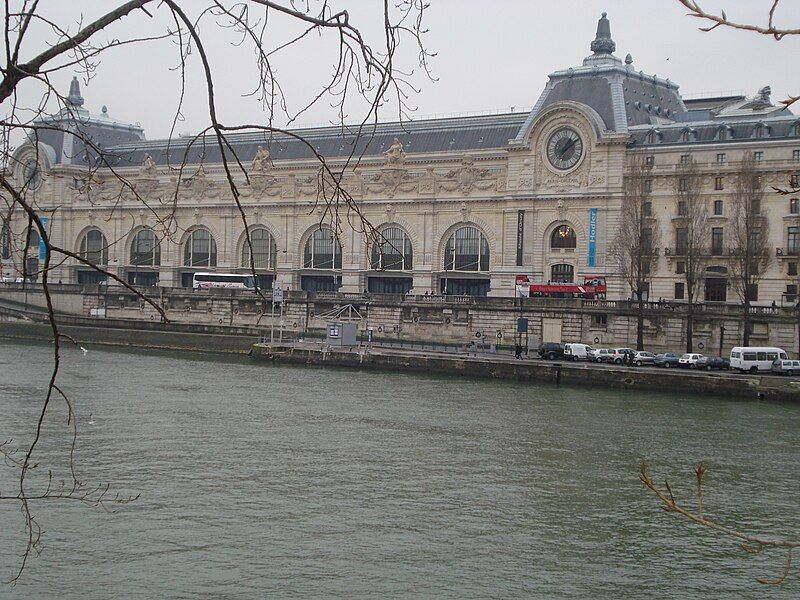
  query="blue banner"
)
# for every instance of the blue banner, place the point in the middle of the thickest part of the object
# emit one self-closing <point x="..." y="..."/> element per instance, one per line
<point x="42" y="247"/>
<point x="592" y="237"/>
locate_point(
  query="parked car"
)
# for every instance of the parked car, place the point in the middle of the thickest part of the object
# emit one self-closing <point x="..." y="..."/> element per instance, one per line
<point x="644" y="358"/>
<point x="577" y="351"/>
<point x="600" y="355"/>
<point x="666" y="360"/>
<point x="713" y="362"/>
<point x="618" y="355"/>
<point x="783" y="366"/>
<point x="689" y="361"/>
<point x="551" y="350"/>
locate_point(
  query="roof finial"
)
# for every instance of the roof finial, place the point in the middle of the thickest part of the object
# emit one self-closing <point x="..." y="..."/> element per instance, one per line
<point x="603" y="44"/>
<point x="75" y="98"/>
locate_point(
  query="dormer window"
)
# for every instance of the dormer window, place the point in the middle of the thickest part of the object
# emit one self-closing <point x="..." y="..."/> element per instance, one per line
<point x="760" y="131"/>
<point x="653" y="136"/>
<point x="688" y="135"/>
<point x="724" y="132"/>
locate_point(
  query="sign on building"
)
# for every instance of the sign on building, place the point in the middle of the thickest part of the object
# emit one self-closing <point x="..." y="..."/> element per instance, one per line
<point x="591" y="261"/>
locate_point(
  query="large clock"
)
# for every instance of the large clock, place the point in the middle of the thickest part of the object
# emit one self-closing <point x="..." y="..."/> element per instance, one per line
<point x="564" y="148"/>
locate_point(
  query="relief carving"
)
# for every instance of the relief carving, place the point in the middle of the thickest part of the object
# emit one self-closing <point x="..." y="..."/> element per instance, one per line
<point x="468" y="177"/>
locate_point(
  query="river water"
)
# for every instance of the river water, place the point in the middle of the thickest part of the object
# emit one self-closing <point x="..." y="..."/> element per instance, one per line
<point x="259" y="481"/>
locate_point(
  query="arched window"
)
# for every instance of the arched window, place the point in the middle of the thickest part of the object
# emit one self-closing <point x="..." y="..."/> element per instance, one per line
<point x="562" y="273"/>
<point x="563" y="236"/>
<point x="94" y="247"/>
<point x="760" y="131"/>
<point x="392" y="251"/>
<point x="200" y="249"/>
<point x="264" y="250"/>
<point x="322" y="251"/>
<point x="33" y="239"/>
<point x="466" y="250"/>
<point x="145" y="250"/>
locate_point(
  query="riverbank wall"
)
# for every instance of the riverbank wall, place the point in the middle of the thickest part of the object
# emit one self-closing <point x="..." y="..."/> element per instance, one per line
<point x="455" y="320"/>
<point x="134" y="334"/>
<point x="571" y="374"/>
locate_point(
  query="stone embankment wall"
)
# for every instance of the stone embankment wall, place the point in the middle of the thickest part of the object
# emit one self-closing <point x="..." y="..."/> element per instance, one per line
<point x="451" y="319"/>
<point x="737" y="386"/>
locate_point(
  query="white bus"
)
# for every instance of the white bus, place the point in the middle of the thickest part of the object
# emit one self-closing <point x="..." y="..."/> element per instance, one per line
<point x="237" y="281"/>
<point x="755" y="358"/>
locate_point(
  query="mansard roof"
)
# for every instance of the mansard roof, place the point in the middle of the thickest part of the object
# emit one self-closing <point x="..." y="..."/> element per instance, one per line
<point x="456" y="134"/>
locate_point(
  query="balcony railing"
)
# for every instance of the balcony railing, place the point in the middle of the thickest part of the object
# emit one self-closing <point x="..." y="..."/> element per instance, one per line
<point x="789" y="251"/>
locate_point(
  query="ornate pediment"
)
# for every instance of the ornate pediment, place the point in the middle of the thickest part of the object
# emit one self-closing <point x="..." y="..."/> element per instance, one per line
<point x="391" y="180"/>
<point x="468" y="177"/>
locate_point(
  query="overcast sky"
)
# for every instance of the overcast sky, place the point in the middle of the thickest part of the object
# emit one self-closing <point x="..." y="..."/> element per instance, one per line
<point x="490" y="56"/>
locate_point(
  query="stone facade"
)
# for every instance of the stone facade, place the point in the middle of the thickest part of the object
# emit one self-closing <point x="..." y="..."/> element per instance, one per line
<point x="456" y="189"/>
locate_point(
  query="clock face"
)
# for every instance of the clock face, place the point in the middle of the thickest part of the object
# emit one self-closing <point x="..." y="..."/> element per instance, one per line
<point x="564" y="148"/>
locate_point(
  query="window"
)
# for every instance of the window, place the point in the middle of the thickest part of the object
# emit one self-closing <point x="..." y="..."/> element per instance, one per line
<point x="322" y="251"/>
<point x="145" y="249"/>
<point x="94" y="247"/>
<point x="759" y="131"/>
<point x="563" y="236"/>
<point x="6" y="243"/>
<point x="758" y="156"/>
<point x="716" y="241"/>
<point x="755" y="238"/>
<point x="648" y="185"/>
<point x="264" y="250"/>
<point x="791" y="269"/>
<point x="718" y="185"/>
<point x="793" y="240"/>
<point x="722" y="133"/>
<point x="600" y="320"/>
<point x="680" y="267"/>
<point x="679" y="287"/>
<point x="200" y="249"/>
<point x="752" y="292"/>
<point x="683" y="184"/>
<point x="684" y="160"/>
<point x="682" y="208"/>
<point x="794" y="207"/>
<point x="791" y="292"/>
<point x="466" y="250"/>
<point x="647" y="209"/>
<point x="647" y="241"/>
<point x="721" y="157"/>
<point x="33" y="240"/>
<point x="681" y="240"/>
<point x="755" y="206"/>
<point x="650" y="160"/>
<point x="794" y="180"/>
<point x="796" y="154"/>
<point x="718" y="206"/>
<point x="392" y="251"/>
<point x="562" y="273"/>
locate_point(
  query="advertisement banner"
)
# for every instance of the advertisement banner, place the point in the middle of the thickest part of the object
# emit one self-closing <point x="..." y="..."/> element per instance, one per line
<point x="592" y="237"/>
<point x="520" y="235"/>
<point x="42" y="247"/>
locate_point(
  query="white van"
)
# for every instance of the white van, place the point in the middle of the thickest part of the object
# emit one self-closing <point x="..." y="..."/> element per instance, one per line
<point x="577" y="351"/>
<point x="753" y="358"/>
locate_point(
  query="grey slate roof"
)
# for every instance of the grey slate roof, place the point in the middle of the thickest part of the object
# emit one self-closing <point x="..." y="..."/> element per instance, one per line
<point x="461" y="134"/>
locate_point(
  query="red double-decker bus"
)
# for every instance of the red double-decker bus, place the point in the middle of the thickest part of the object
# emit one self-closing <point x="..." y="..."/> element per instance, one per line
<point x="593" y="288"/>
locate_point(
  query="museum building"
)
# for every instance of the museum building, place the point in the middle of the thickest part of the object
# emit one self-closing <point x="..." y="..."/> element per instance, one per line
<point x="463" y="204"/>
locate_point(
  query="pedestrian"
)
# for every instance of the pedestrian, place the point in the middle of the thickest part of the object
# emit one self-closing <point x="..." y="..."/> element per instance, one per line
<point x="518" y="351"/>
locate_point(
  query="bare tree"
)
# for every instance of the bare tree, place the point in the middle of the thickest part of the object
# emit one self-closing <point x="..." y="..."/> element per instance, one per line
<point x="363" y="77"/>
<point x="722" y="20"/>
<point x="634" y="250"/>
<point x="749" y="237"/>
<point x="749" y="543"/>
<point x="692" y="237"/>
